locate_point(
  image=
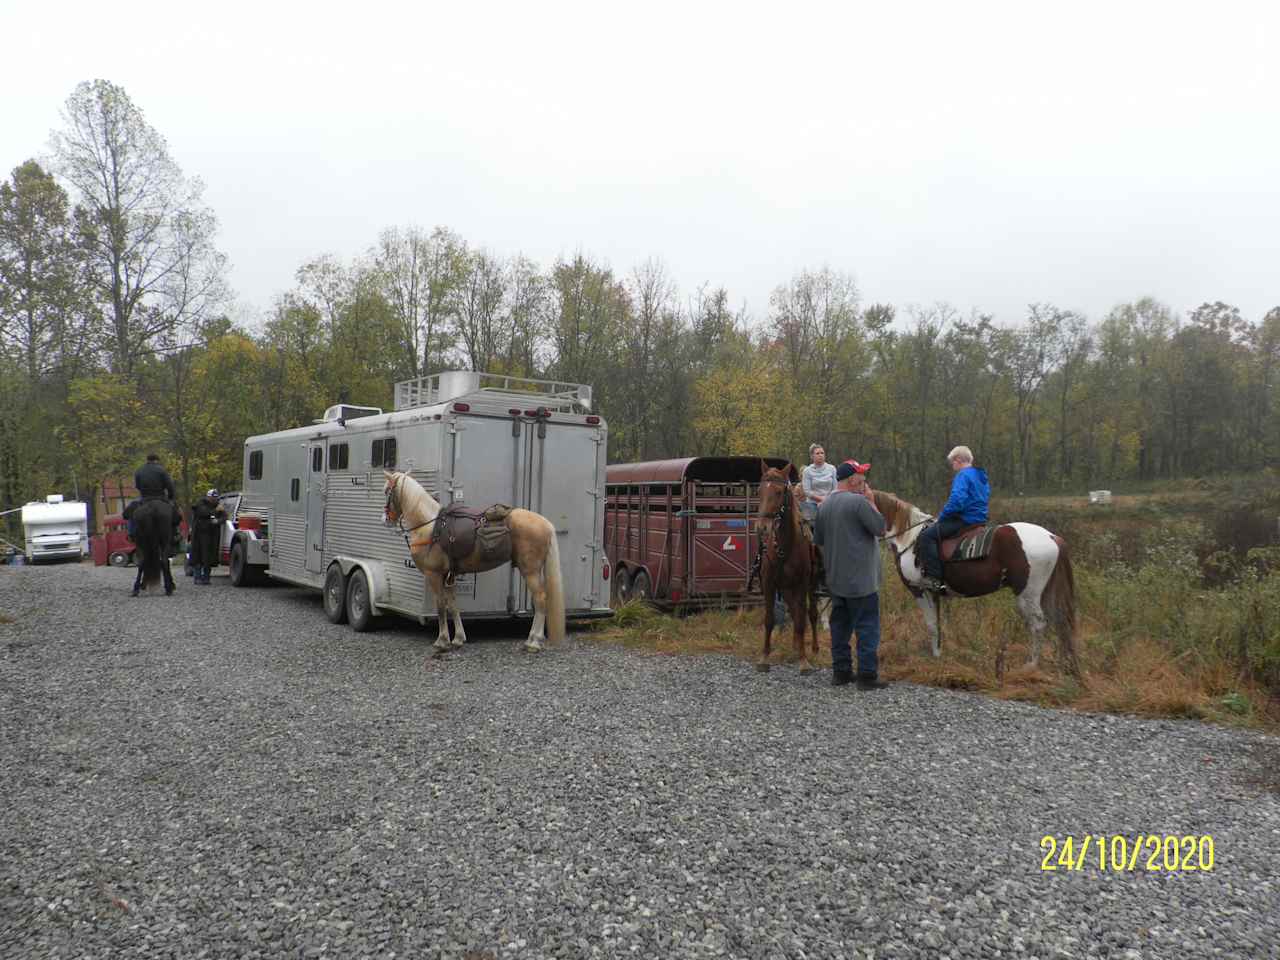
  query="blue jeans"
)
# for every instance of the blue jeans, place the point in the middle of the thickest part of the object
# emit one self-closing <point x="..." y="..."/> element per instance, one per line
<point x="931" y="543"/>
<point x="860" y="615"/>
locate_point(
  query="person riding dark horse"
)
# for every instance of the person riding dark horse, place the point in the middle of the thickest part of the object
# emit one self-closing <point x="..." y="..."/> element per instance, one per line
<point x="967" y="505"/>
<point x="153" y="482"/>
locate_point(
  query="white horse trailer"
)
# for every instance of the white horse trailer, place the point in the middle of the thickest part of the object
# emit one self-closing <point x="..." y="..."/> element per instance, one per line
<point x="311" y="506"/>
<point x="55" y="529"/>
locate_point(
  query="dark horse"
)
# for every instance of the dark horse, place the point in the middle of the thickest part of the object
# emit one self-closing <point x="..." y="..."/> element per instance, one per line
<point x="153" y="537"/>
<point x="788" y="562"/>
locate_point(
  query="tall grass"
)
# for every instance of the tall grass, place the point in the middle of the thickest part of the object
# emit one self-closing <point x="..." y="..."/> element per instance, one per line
<point x="1156" y="639"/>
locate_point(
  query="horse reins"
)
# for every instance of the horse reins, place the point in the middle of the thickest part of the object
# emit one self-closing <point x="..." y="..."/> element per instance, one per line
<point x="775" y="519"/>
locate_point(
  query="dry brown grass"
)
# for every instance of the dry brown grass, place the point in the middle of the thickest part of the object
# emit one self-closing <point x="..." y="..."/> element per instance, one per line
<point x="985" y="649"/>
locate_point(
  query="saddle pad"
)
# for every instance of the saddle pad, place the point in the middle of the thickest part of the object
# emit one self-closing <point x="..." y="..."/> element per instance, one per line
<point x="972" y="545"/>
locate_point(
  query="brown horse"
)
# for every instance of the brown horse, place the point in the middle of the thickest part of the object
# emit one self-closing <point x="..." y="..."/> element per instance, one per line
<point x="1030" y="560"/>
<point x="534" y="551"/>
<point x="788" y="562"/>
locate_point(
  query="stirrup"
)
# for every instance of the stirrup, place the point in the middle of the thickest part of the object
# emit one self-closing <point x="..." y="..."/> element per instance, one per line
<point x="934" y="585"/>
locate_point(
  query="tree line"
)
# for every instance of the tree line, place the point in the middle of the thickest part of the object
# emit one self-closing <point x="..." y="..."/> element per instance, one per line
<point x="115" y="340"/>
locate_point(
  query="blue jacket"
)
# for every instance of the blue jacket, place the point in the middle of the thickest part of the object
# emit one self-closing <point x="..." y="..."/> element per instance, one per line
<point x="970" y="492"/>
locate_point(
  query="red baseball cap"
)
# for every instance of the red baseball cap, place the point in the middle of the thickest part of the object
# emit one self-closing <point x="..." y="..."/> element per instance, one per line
<point x="849" y="468"/>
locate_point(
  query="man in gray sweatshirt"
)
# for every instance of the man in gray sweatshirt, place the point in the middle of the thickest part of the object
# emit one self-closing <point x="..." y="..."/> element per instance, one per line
<point x="847" y="528"/>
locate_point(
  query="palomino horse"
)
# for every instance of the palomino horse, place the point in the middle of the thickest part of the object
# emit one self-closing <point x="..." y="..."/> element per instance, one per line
<point x="1030" y="560"/>
<point x="534" y="551"/>
<point x="153" y="537"/>
<point x="787" y="562"/>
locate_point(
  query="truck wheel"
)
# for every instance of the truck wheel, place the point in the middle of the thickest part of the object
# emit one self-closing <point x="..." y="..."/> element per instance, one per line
<point x="243" y="574"/>
<point x="119" y="559"/>
<point x="359" y="612"/>
<point x="335" y="595"/>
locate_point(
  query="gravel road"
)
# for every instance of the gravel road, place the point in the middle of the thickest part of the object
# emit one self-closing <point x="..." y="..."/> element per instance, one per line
<point x="224" y="773"/>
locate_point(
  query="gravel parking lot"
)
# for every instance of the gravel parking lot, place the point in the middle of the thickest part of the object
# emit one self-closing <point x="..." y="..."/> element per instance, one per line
<point x="224" y="773"/>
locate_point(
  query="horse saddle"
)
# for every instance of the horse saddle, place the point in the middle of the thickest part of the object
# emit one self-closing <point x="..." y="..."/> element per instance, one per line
<point x="459" y="529"/>
<point x="971" y="543"/>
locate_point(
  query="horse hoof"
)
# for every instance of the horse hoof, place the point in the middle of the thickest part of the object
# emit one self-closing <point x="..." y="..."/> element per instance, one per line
<point x="762" y="668"/>
<point x="440" y="648"/>
<point x="133" y="593"/>
<point x="806" y="670"/>
<point x="456" y="643"/>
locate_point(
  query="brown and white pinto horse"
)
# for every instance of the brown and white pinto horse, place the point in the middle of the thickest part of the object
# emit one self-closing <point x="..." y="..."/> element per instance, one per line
<point x="787" y="562"/>
<point x="1030" y="560"/>
<point x="534" y="552"/>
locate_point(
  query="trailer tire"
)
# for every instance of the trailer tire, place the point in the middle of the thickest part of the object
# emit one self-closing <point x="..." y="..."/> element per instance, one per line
<point x="243" y="573"/>
<point x="120" y="558"/>
<point x="359" y="610"/>
<point x="641" y="589"/>
<point x="335" y="595"/>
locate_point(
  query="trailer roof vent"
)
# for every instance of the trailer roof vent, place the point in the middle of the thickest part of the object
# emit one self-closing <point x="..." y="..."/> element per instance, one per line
<point x="347" y="411"/>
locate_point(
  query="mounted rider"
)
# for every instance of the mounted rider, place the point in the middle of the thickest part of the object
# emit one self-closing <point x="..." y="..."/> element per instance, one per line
<point x="153" y="482"/>
<point x="967" y="505"/>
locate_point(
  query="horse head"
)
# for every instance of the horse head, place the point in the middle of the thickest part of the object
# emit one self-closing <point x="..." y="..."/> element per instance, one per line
<point x="391" y="511"/>
<point x="900" y="517"/>
<point x="775" y="492"/>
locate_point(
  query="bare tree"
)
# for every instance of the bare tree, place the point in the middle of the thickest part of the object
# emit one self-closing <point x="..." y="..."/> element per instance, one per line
<point x="417" y="273"/>
<point x="148" y="236"/>
<point x="477" y="298"/>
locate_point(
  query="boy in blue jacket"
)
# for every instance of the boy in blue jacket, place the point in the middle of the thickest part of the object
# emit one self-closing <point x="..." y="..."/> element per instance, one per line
<point x="967" y="505"/>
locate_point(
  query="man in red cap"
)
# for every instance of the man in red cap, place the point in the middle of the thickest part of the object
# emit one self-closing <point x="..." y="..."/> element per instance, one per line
<point x="848" y="529"/>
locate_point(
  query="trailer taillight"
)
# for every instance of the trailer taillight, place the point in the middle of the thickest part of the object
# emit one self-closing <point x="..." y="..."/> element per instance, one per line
<point x="605" y="572"/>
<point x="461" y="407"/>
<point x="593" y="419"/>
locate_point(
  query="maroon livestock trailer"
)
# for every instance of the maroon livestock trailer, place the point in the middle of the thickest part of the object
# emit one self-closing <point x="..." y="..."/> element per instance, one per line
<point x="681" y="533"/>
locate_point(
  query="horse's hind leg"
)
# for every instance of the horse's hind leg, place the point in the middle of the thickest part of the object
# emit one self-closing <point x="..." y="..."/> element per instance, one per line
<point x="1034" y="618"/>
<point x="932" y="618"/>
<point x="169" y="585"/>
<point x="536" y="581"/>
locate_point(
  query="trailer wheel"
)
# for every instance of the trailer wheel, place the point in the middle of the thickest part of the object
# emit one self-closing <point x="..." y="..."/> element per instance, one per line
<point x="243" y="573"/>
<point x="359" y="612"/>
<point x="120" y="558"/>
<point x="617" y="587"/>
<point x="335" y="595"/>
<point x="641" y="589"/>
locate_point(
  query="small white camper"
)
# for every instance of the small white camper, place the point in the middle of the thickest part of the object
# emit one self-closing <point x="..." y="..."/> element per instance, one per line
<point x="55" y="529"/>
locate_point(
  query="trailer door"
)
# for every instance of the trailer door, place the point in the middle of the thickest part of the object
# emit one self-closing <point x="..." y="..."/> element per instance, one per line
<point x="315" y="506"/>
<point x="566" y="469"/>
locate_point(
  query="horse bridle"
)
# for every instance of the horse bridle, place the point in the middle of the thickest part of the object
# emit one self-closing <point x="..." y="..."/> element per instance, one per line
<point x="386" y="511"/>
<point x="775" y="519"/>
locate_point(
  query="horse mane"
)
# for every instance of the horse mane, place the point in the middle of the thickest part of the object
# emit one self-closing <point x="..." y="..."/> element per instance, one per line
<point x="898" y="514"/>
<point x="407" y="484"/>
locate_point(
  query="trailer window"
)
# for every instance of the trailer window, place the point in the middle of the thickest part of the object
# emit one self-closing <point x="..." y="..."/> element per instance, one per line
<point x="338" y="456"/>
<point x="384" y="453"/>
<point x="255" y="465"/>
<point x="295" y="489"/>
<point x="317" y="459"/>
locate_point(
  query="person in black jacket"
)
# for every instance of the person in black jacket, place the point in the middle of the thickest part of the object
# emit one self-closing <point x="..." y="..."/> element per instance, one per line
<point x="207" y="516"/>
<point x="153" y="482"/>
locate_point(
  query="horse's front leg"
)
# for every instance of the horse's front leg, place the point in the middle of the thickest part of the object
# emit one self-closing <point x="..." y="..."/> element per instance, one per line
<point x="796" y="603"/>
<point x="763" y="663"/>
<point x="436" y="582"/>
<point x="459" y="635"/>
<point x="932" y="621"/>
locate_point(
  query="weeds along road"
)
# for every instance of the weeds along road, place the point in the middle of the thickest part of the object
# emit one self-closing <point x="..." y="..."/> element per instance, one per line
<point x="226" y="771"/>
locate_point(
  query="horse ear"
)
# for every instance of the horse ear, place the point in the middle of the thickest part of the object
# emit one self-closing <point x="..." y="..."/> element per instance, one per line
<point x="764" y="468"/>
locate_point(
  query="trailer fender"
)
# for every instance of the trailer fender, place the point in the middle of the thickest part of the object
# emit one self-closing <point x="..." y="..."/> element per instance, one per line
<point x="375" y="572"/>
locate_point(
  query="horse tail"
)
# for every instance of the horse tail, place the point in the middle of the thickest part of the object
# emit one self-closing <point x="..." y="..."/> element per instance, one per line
<point x="1059" y="604"/>
<point x="555" y="588"/>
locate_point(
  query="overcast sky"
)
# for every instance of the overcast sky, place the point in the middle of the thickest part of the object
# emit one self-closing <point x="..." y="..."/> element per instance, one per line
<point x="987" y="155"/>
